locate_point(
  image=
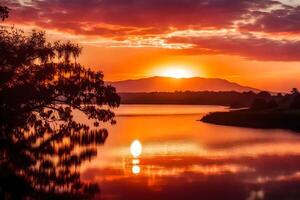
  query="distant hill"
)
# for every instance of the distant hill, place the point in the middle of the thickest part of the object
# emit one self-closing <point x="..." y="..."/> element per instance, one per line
<point x="166" y="84"/>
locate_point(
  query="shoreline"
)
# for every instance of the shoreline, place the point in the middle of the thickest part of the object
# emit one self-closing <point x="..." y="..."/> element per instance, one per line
<point x="265" y="119"/>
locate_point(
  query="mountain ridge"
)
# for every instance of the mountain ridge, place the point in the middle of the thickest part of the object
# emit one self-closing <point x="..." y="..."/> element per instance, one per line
<point x="169" y="84"/>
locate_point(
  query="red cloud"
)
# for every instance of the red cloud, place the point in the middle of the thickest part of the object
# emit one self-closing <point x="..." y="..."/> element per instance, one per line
<point x="155" y="14"/>
<point x="247" y="46"/>
<point x="285" y="20"/>
<point x="123" y="19"/>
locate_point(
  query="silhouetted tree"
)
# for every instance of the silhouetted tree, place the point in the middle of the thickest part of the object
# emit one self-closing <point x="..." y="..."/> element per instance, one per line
<point x="294" y="91"/>
<point x="264" y="95"/>
<point x="40" y="89"/>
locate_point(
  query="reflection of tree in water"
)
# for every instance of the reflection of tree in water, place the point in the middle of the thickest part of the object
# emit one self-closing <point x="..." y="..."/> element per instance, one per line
<point x="41" y="144"/>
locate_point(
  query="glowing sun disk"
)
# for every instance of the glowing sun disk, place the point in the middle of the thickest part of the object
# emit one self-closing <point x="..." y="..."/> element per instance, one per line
<point x="177" y="73"/>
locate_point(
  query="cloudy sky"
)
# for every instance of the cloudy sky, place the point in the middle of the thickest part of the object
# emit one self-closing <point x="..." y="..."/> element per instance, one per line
<point x="252" y="42"/>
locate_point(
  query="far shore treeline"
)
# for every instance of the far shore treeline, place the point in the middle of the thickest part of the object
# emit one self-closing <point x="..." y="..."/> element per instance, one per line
<point x="231" y="99"/>
<point x="273" y="112"/>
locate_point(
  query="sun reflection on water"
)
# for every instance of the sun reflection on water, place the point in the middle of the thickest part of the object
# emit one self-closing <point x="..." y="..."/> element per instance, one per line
<point x="136" y="151"/>
<point x="136" y="169"/>
<point x="136" y="148"/>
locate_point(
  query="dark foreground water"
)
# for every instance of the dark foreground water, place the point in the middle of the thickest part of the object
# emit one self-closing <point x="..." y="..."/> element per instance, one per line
<point x="182" y="158"/>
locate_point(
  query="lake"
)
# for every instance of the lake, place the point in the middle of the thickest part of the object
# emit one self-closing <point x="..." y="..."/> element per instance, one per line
<point x="183" y="158"/>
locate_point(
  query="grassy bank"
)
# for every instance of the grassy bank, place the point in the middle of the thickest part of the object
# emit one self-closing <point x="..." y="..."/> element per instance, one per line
<point x="267" y="119"/>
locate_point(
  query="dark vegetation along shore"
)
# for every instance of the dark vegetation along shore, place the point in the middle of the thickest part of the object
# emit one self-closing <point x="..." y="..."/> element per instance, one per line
<point x="226" y="98"/>
<point x="274" y="112"/>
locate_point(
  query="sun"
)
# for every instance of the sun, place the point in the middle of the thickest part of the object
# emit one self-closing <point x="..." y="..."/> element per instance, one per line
<point x="176" y="73"/>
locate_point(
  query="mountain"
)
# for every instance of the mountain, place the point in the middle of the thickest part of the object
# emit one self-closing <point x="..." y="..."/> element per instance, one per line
<point x="167" y="84"/>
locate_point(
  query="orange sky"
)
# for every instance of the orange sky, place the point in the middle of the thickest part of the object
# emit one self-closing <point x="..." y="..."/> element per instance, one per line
<point x="252" y="42"/>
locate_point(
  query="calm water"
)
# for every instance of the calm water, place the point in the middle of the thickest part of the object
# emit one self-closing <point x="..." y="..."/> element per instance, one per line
<point x="183" y="158"/>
